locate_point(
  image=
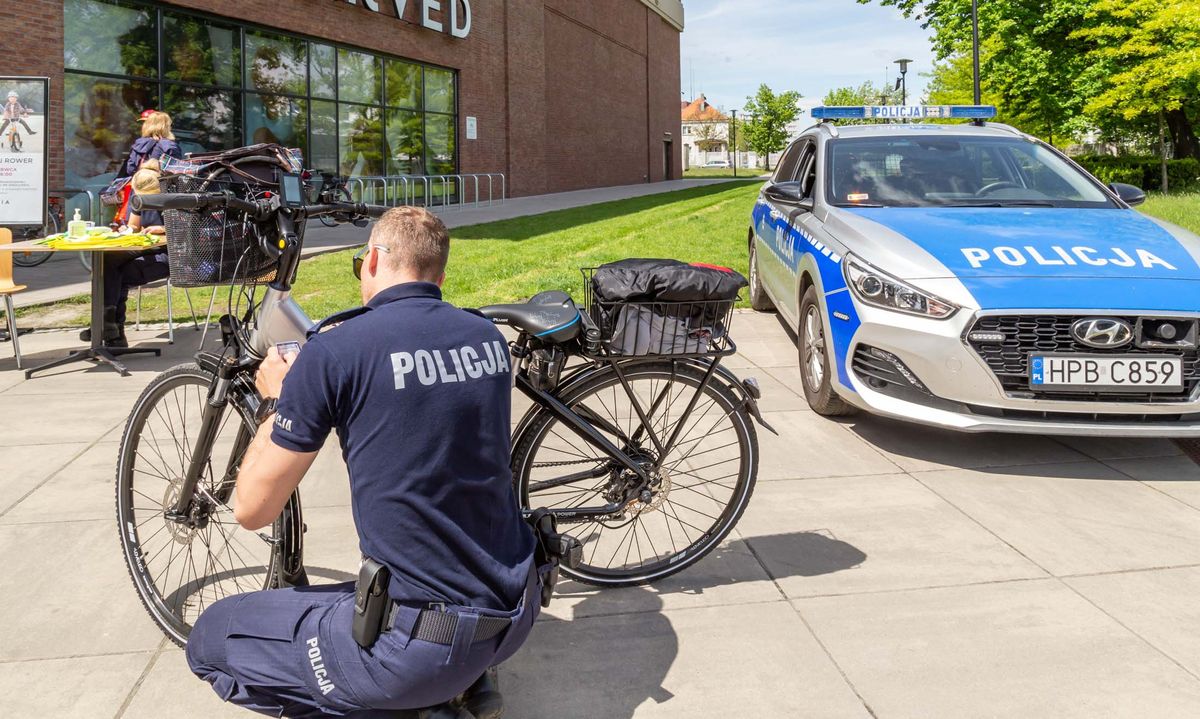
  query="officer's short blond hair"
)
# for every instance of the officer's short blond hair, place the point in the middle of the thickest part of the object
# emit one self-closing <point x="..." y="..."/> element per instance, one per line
<point x="415" y="239"/>
<point x="145" y="181"/>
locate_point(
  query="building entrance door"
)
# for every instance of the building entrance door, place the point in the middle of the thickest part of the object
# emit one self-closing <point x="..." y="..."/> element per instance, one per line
<point x="668" y="160"/>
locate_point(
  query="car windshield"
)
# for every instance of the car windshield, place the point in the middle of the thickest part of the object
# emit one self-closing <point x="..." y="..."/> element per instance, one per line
<point x="916" y="171"/>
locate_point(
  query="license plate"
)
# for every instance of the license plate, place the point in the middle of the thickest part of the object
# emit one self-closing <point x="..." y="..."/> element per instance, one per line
<point x="1112" y="374"/>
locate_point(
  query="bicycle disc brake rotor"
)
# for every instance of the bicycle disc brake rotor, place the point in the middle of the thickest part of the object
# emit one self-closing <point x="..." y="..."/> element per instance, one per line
<point x="658" y="494"/>
<point x="181" y="532"/>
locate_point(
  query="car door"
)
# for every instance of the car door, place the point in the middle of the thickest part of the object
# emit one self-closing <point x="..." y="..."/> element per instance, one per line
<point x="779" y="275"/>
<point x="770" y="222"/>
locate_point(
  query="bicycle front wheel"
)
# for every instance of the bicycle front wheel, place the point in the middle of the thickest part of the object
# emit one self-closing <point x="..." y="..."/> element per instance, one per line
<point x="179" y="567"/>
<point x="700" y="485"/>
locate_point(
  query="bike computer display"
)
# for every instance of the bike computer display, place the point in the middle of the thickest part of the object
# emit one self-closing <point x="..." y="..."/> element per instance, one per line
<point x="291" y="190"/>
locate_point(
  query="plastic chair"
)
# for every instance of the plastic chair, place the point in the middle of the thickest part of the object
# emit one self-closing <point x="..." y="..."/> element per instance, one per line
<point x="8" y="289"/>
<point x="137" y="317"/>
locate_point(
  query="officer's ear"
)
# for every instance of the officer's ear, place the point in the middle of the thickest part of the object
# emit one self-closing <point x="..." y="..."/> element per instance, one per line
<point x="441" y="279"/>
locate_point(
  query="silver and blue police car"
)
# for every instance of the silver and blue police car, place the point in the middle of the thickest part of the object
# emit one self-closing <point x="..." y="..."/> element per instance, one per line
<point x="969" y="276"/>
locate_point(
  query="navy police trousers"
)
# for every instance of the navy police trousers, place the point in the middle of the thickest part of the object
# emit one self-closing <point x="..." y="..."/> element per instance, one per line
<point x="289" y="653"/>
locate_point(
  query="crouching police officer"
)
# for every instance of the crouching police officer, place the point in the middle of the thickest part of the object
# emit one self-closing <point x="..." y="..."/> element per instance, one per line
<point x="419" y="394"/>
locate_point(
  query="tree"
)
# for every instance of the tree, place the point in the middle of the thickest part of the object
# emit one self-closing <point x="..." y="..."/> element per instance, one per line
<point x="1148" y="52"/>
<point x="867" y="93"/>
<point x="710" y="136"/>
<point x="770" y="114"/>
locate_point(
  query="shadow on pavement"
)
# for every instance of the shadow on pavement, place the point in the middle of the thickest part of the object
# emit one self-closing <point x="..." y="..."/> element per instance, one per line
<point x="522" y="228"/>
<point x="616" y="652"/>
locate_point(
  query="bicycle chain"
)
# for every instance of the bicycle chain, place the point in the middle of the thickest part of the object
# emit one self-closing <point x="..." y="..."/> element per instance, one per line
<point x="566" y="463"/>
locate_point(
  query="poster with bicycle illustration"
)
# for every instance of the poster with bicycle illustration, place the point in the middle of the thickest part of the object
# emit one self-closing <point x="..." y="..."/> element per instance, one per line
<point x="23" y="150"/>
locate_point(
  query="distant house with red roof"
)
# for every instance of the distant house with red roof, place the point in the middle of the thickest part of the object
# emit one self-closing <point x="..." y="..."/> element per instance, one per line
<point x="706" y="136"/>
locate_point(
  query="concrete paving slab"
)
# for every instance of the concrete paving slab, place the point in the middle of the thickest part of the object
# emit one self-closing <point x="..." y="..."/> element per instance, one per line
<point x="67" y="593"/>
<point x="867" y="534"/>
<point x="915" y="448"/>
<point x="69" y="688"/>
<point x="1023" y="649"/>
<point x="743" y="661"/>
<point x="81" y="418"/>
<point x="27" y="467"/>
<point x="170" y="691"/>
<point x="1104" y="448"/>
<point x="1177" y="476"/>
<point x="1077" y="518"/>
<point x="83" y="489"/>
<point x="729" y="575"/>
<point x="809" y="445"/>
<point x="774" y="350"/>
<point x="776" y="396"/>
<point x="1158" y="605"/>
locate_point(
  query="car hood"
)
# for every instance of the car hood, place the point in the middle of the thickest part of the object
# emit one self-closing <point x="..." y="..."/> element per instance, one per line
<point x="1019" y="243"/>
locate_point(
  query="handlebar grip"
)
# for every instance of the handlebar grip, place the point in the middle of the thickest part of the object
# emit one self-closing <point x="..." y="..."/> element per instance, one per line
<point x="169" y="202"/>
<point x="375" y="211"/>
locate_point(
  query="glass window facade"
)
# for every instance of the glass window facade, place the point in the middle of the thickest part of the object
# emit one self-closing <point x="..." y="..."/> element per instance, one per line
<point x="226" y="84"/>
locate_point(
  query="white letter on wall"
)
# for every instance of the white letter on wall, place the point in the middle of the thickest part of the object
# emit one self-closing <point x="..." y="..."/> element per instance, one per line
<point x="401" y="7"/>
<point x="426" y="20"/>
<point x="460" y="30"/>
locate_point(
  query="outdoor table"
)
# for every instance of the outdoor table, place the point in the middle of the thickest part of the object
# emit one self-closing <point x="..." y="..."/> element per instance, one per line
<point x="96" y="351"/>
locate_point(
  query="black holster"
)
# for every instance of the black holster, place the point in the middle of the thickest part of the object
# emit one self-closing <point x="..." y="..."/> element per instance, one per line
<point x="552" y="550"/>
<point x="371" y="602"/>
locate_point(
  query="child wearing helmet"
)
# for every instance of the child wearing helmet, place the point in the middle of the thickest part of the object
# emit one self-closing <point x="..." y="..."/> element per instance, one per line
<point x="14" y="111"/>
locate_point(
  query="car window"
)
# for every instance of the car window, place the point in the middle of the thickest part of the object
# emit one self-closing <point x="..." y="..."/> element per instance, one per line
<point x="787" y="164"/>
<point x="923" y="171"/>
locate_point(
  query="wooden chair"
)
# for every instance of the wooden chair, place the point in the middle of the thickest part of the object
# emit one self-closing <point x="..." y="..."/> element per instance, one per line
<point x="8" y="289"/>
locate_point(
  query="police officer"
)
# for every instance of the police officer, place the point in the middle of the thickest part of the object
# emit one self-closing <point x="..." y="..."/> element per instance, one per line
<point x="419" y="393"/>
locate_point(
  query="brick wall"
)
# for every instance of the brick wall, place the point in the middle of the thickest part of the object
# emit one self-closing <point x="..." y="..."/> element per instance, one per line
<point x="567" y="93"/>
<point x="33" y="31"/>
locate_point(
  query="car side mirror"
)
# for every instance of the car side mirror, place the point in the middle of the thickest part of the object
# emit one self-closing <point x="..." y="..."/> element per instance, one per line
<point x="1128" y="193"/>
<point x="788" y="193"/>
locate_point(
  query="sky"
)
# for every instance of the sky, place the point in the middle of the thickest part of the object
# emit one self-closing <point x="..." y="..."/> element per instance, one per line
<point x="730" y="47"/>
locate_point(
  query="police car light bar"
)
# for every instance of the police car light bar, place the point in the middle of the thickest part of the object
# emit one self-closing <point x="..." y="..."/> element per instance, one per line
<point x="905" y="112"/>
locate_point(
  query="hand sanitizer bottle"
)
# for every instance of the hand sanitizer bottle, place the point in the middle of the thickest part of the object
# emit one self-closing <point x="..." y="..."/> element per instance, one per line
<point x="77" y="227"/>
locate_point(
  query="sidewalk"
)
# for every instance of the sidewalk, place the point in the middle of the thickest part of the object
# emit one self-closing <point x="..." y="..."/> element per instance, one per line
<point x="63" y="275"/>
<point x="881" y="570"/>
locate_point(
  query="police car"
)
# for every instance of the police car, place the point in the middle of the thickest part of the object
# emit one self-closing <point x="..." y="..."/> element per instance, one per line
<point x="969" y="276"/>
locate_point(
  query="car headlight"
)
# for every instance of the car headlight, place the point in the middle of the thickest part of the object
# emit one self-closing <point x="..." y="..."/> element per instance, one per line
<point x="878" y="288"/>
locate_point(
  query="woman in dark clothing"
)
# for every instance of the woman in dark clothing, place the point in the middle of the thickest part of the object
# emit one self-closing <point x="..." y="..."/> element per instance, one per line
<point x="156" y="141"/>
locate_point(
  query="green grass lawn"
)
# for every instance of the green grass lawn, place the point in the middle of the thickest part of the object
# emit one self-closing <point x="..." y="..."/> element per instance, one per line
<point x="1183" y="210"/>
<point x="696" y="173"/>
<point x="511" y="260"/>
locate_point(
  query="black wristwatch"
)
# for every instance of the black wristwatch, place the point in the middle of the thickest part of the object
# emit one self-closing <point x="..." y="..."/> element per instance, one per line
<point x="266" y="408"/>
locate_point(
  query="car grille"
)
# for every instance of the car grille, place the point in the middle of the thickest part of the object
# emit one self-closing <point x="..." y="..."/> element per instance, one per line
<point x="1026" y="334"/>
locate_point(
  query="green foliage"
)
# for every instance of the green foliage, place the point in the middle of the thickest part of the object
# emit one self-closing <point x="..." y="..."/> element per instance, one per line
<point x="769" y="117"/>
<point x="1143" y="171"/>
<point x="867" y="93"/>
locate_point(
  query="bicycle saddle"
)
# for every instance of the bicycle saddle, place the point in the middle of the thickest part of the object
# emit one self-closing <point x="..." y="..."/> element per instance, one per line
<point x="550" y="316"/>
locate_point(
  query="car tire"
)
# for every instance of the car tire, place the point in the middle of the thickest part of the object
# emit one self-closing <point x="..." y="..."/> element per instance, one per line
<point x="816" y="377"/>
<point x="758" y="294"/>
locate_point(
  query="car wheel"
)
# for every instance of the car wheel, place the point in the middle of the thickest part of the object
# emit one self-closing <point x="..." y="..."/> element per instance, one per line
<point x="816" y="376"/>
<point x="758" y="296"/>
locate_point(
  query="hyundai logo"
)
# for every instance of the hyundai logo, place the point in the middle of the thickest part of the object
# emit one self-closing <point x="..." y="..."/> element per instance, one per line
<point x="1102" y="332"/>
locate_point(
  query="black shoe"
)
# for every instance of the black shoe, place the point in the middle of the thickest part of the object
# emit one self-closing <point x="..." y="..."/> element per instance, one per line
<point x="483" y="698"/>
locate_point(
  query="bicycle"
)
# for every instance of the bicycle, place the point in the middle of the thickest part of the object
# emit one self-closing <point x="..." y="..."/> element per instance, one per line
<point x="13" y="136"/>
<point x="623" y="449"/>
<point x="54" y="221"/>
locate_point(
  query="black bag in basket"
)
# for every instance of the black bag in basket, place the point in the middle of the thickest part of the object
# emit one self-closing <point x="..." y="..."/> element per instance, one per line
<point x="663" y="307"/>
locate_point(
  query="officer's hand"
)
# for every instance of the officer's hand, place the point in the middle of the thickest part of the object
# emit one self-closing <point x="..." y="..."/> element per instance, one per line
<point x="271" y="372"/>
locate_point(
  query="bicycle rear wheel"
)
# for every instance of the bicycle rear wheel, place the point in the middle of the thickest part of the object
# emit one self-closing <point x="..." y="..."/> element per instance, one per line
<point x="699" y="490"/>
<point x="33" y="259"/>
<point x="179" y="568"/>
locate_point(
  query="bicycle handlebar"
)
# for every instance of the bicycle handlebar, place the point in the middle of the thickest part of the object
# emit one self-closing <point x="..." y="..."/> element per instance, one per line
<point x="259" y="209"/>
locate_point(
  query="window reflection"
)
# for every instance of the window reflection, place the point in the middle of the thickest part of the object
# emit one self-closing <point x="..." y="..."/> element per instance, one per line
<point x="201" y="51"/>
<point x="279" y="119"/>
<point x="100" y="120"/>
<point x="226" y="85"/>
<point x="439" y="90"/>
<point x="359" y="77"/>
<point x="405" y="143"/>
<point x="111" y="38"/>
<point x="204" y="119"/>
<point x="360" y="139"/>
<point x="276" y="64"/>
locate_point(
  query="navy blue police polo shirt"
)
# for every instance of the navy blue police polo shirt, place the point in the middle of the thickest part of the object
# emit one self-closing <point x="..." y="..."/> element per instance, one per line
<point x="419" y="392"/>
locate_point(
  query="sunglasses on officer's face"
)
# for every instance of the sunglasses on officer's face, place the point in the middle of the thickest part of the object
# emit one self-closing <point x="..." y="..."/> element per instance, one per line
<point x="361" y="256"/>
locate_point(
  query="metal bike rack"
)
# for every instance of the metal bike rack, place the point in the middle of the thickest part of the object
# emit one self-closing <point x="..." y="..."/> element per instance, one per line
<point x="397" y="190"/>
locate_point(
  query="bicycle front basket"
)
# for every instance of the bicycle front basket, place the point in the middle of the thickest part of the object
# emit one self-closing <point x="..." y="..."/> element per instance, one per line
<point x="212" y="248"/>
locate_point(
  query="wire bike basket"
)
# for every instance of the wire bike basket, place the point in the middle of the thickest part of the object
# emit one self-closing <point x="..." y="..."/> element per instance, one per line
<point x="654" y="328"/>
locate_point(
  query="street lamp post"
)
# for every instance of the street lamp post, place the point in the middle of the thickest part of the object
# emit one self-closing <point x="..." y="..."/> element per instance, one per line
<point x="733" y="143"/>
<point x="903" y="63"/>
<point x="975" y="48"/>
